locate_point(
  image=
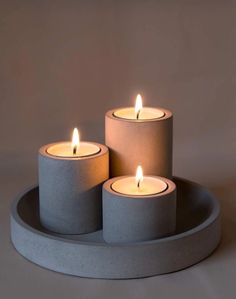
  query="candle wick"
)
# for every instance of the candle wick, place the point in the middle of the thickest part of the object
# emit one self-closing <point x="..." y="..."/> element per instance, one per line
<point x="138" y="184"/>
<point x="74" y="150"/>
<point x="137" y="116"/>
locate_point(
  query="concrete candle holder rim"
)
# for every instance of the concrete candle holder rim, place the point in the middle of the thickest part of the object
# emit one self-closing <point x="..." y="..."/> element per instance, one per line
<point x="167" y="114"/>
<point x="43" y="150"/>
<point x="170" y="187"/>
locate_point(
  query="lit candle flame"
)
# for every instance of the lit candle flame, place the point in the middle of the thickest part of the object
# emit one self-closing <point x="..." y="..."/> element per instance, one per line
<point x="138" y="105"/>
<point x="139" y="176"/>
<point x="75" y="141"/>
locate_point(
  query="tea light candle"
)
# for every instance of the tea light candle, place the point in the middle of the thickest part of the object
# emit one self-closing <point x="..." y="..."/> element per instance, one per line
<point x="139" y="112"/>
<point x="138" y="208"/>
<point x="74" y="149"/>
<point x="139" y="135"/>
<point x="139" y="185"/>
<point x="70" y="185"/>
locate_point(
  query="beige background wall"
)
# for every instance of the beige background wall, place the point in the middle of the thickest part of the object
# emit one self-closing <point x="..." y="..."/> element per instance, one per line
<point x="64" y="63"/>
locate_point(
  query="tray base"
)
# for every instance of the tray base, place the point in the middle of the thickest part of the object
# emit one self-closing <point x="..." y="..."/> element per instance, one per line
<point x="197" y="235"/>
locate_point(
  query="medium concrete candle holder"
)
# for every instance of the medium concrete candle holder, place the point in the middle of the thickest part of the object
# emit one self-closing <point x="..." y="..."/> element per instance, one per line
<point x="133" y="218"/>
<point x="132" y="142"/>
<point x="71" y="191"/>
<point x="197" y="235"/>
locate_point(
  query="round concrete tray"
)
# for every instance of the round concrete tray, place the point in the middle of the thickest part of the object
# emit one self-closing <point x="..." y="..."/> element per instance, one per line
<point x="197" y="235"/>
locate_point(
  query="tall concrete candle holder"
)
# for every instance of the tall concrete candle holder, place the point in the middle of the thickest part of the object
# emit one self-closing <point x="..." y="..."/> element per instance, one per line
<point x="144" y="141"/>
<point x="133" y="218"/>
<point x="71" y="190"/>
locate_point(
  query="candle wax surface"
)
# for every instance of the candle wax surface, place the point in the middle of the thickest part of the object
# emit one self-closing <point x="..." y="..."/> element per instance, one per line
<point x="149" y="186"/>
<point x="65" y="150"/>
<point x="146" y="113"/>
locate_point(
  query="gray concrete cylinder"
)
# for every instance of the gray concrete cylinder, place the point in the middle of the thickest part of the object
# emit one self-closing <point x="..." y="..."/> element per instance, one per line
<point x="144" y="142"/>
<point x="70" y="191"/>
<point x="138" y="218"/>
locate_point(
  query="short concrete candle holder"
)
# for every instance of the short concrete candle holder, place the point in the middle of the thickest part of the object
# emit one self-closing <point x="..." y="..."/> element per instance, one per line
<point x="130" y="215"/>
<point x="70" y="189"/>
<point x="139" y="141"/>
